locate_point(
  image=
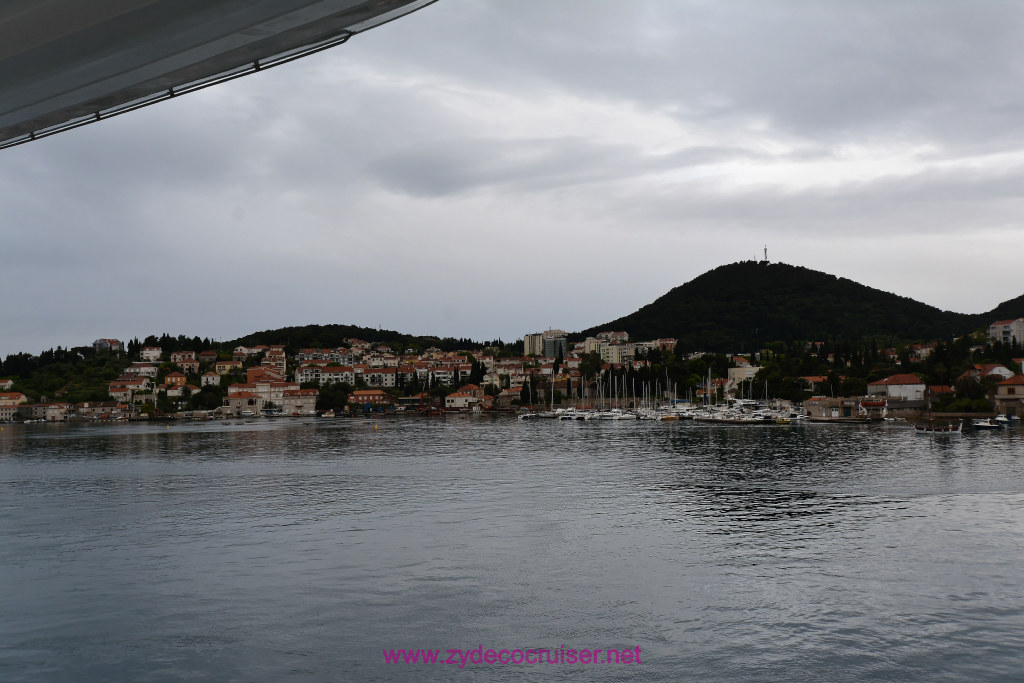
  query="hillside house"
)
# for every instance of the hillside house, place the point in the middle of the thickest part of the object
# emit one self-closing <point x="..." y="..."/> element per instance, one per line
<point x="1007" y="331"/>
<point x="188" y="365"/>
<point x="223" y="367"/>
<point x="108" y="345"/>
<point x="979" y="372"/>
<point x="142" y="370"/>
<point x="175" y="379"/>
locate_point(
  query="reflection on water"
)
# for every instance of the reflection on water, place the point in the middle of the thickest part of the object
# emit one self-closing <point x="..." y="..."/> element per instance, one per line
<point x="275" y="550"/>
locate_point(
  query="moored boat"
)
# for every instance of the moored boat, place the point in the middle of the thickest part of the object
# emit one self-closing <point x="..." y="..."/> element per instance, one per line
<point x="939" y="429"/>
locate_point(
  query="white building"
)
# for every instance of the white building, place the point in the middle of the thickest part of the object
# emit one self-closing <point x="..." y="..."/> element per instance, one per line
<point x="738" y="375"/>
<point x="907" y="387"/>
<point x="460" y="401"/>
<point x="141" y="369"/>
<point x="381" y="377"/>
<point x="338" y="373"/>
<point x="533" y="344"/>
<point x="1007" y="331"/>
<point x="299" y="402"/>
<point x="617" y="353"/>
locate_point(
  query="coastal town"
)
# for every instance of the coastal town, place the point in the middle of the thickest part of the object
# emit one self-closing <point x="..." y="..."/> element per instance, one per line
<point x="544" y="374"/>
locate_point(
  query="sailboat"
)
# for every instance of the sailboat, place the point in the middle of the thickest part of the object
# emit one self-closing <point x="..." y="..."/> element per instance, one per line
<point x="939" y="429"/>
<point x="525" y="414"/>
<point x="931" y="428"/>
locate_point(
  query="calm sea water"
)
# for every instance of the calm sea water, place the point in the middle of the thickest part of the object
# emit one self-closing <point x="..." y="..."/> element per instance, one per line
<point x="299" y="551"/>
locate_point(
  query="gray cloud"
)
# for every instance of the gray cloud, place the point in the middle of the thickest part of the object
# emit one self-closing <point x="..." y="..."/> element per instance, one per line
<point x="429" y="172"/>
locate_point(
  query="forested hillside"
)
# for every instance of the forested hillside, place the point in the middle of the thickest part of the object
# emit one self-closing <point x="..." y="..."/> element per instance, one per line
<point x="744" y="306"/>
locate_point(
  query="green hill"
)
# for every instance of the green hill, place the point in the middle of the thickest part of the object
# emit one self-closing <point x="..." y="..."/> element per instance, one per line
<point x="1008" y="310"/>
<point x="743" y="306"/>
<point x="310" y="336"/>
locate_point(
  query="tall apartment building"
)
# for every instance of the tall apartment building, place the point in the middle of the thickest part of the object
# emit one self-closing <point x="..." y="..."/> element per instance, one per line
<point x="545" y="343"/>
<point x="533" y="345"/>
<point x="555" y="345"/>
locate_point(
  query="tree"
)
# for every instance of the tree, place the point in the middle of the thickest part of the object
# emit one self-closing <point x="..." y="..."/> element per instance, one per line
<point x="476" y="372"/>
<point x="333" y="396"/>
<point x="590" y="364"/>
<point x="209" y="397"/>
<point x="164" y="404"/>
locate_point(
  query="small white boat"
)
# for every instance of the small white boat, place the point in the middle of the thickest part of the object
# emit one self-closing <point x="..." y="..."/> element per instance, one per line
<point x="987" y="423"/>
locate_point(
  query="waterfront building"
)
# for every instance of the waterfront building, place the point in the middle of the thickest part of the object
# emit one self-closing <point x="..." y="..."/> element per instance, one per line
<point x="374" y="397"/>
<point x="12" y="398"/>
<point x="460" y="400"/>
<point x="904" y="386"/>
<point x="268" y="391"/>
<point x="242" y="402"/>
<point x="299" y="401"/>
<point x="97" y="409"/>
<point x="1009" y="397"/>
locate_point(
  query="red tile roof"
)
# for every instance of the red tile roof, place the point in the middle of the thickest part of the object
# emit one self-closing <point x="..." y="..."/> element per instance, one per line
<point x="898" y="379"/>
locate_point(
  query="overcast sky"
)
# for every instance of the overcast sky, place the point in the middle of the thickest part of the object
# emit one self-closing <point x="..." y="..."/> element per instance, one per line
<point x="486" y="169"/>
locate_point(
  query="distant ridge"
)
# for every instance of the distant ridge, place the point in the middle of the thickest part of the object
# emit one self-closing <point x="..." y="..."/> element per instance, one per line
<point x="743" y="306"/>
<point x="309" y="336"/>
